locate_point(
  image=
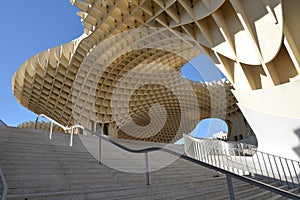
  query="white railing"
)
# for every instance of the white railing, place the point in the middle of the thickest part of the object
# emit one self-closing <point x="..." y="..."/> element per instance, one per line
<point x="245" y="161"/>
<point x="65" y="128"/>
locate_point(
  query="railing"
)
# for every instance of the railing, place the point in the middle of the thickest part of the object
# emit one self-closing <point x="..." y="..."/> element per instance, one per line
<point x="4" y="185"/>
<point x="65" y="128"/>
<point x="244" y="148"/>
<point x="145" y="151"/>
<point x="243" y="161"/>
<point x="229" y="175"/>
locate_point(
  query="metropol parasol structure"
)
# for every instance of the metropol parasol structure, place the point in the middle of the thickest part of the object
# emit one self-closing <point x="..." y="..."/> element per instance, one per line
<point x="123" y="74"/>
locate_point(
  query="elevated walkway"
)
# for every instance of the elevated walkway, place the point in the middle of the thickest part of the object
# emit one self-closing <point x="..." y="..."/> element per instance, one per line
<point x="38" y="168"/>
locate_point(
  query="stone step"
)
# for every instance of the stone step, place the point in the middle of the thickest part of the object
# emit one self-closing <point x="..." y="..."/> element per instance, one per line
<point x="109" y="187"/>
<point x="293" y="190"/>
<point x="39" y="168"/>
<point x="155" y="177"/>
<point x="258" y="194"/>
<point x="210" y="193"/>
<point x="214" y="190"/>
<point x="147" y="192"/>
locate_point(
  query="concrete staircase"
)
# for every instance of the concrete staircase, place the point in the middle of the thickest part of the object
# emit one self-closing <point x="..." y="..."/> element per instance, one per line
<point x="38" y="168"/>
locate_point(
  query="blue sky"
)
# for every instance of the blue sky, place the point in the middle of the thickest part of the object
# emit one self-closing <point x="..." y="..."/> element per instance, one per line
<point x="27" y="28"/>
<point x="201" y="69"/>
<point x="32" y="26"/>
<point x="206" y="128"/>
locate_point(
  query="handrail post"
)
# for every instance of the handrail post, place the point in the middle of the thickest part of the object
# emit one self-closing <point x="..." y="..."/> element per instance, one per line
<point x="36" y="120"/>
<point x="287" y="165"/>
<point x="197" y="152"/>
<point x="267" y="171"/>
<point x="271" y="168"/>
<point x="230" y="187"/>
<point x="226" y="157"/>
<point x="203" y="155"/>
<point x="247" y="166"/>
<point x="222" y="165"/>
<point x="71" y="137"/>
<point x="232" y="157"/>
<point x="287" y="183"/>
<point x="147" y="168"/>
<point x="213" y="156"/>
<point x="239" y="151"/>
<point x="219" y="161"/>
<point x="259" y="164"/>
<point x="254" y="165"/>
<point x="277" y="169"/>
<point x="4" y="185"/>
<point x="100" y="151"/>
<point x="60" y="125"/>
<point x="295" y="172"/>
<point x="51" y="129"/>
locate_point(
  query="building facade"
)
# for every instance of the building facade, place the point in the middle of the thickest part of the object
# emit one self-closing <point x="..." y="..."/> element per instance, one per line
<point x="123" y="73"/>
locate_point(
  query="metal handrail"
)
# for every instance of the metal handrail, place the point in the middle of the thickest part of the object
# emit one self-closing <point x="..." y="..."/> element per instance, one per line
<point x="4" y="185"/>
<point x="229" y="175"/>
<point x="72" y="132"/>
<point x="65" y="128"/>
<point x="241" y="149"/>
<point x="271" y="167"/>
<point x="107" y="138"/>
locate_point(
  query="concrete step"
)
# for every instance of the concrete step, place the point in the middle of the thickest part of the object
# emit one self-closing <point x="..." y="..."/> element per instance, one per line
<point x="212" y="193"/>
<point x="146" y="192"/>
<point x="39" y="168"/>
<point x="183" y="192"/>
<point x="294" y="191"/>
<point x="155" y="177"/>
